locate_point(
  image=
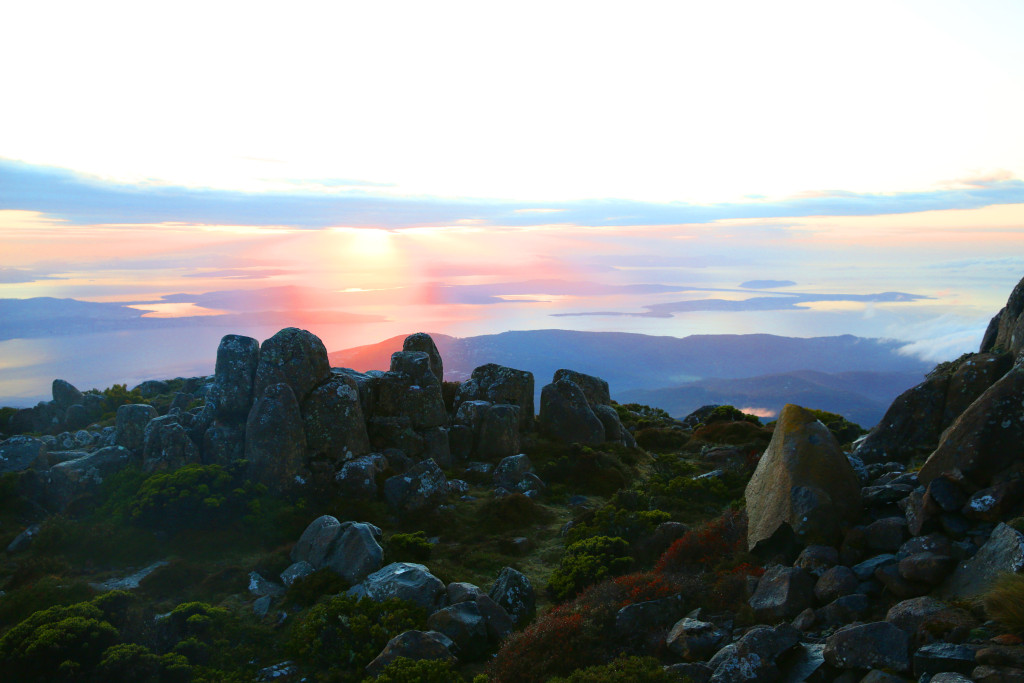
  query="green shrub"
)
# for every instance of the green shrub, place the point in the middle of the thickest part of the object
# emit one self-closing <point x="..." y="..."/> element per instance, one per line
<point x="412" y="547"/>
<point x="45" y="592"/>
<point x="1004" y="601"/>
<point x="6" y="413"/>
<point x="622" y="670"/>
<point x="136" y="663"/>
<point x="730" y="414"/>
<point x="117" y="396"/>
<point x="344" y="634"/>
<point x="192" y="496"/>
<point x="587" y="470"/>
<point x="405" y="670"/>
<point x="587" y="562"/>
<point x="62" y="643"/>
<point x="620" y="517"/>
<point x="661" y="439"/>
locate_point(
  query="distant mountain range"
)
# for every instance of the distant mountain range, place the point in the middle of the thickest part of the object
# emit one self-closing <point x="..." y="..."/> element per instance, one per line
<point x="855" y="377"/>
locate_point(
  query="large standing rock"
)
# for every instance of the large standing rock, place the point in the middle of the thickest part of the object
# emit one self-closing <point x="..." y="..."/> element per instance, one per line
<point x="803" y="481"/>
<point x="333" y="421"/>
<point x="594" y="388"/>
<point x="22" y="452"/>
<point x="972" y="377"/>
<point x="406" y="581"/>
<point x="410" y="390"/>
<point x="223" y="444"/>
<point x="423" y="342"/>
<point x="498" y="436"/>
<point x="65" y="394"/>
<point x="1003" y="552"/>
<point x="566" y="415"/>
<point x="358" y="478"/>
<point x="986" y="438"/>
<point x="316" y="540"/>
<point x="515" y="593"/>
<point x="783" y="592"/>
<point x="131" y="424"/>
<point x="275" y="444"/>
<point x="294" y="357"/>
<point x="422" y="487"/>
<point x="499" y="384"/>
<point x="1006" y="331"/>
<point x="234" y="375"/>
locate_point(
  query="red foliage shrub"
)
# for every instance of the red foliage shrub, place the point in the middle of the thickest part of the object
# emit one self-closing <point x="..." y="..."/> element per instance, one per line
<point x="555" y="645"/>
<point x="644" y="586"/>
<point x="706" y="547"/>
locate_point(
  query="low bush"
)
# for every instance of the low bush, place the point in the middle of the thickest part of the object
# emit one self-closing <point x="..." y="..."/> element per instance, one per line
<point x="587" y="562"/>
<point x="405" y="670"/>
<point x="337" y="638"/>
<point x="309" y="589"/>
<point x="510" y="513"/>
<point x="412" y="547"/>
<point x="712" y="546"/>
<point x="623" y="670"/>
<point x="661" y="439"/>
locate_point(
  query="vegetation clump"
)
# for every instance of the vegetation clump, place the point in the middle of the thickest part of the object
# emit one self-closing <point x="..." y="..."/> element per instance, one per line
<point x="586" y="562"/>
<point x="1004" y="602"/>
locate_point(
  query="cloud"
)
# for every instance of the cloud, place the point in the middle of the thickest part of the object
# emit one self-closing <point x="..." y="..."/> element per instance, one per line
<point x="9" y="276"/>
<point x="766" y="284"/>
<point x="764" y="303"/>
<point x="80" y="199"/>
<point x="240" y="273"/>
<point x="942" y="338"/>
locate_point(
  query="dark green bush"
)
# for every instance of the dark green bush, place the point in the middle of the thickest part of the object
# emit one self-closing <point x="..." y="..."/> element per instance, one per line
<point x="729" y="413"/>
<point x="413" y="547"/>
<point x="405" y="670"/>
<point x="622" y="670"/>
<point x="587" y="562"/>
<point x="661" y="439"/>
<point x="587" y="470"/>
<point x="509" y="513"/>
<point x="136" y="663"/>
<point x="341" y="635"/>
<point x="6" y="413"/>
<point x="308" y="589"/>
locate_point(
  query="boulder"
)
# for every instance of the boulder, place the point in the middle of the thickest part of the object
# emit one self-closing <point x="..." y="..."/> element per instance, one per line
<point x="498" y="434"/>
<point x="1002" y="552"/>
<point x="67" y="480"/>
<point x="130" y="423"/>
<point x="410" y="390"/>
<point x="152" y="388"/>
<point x="422" y="342"/>
<point x="803" y="482"/>
<point x="275" y="443"/>
<point x="694" y="640"/>
<point x="223" y="444"/>
<point x="937" y="658"/>
<point x="835" y="583"/>
<point x="466" y="626"/>
<point x="234" y="376"/>
<point x="316" y="540"/>
<point x="566" y="415"/>
<point x="333" y="421"/>
<point x="76" y="417"/>
<point x="986" y="438"/>
<point x="422" y="487"/>
<point x="514" y="592"/>
<point x="406" y="581"/>
<point x="866" y="646"/>
<point x="293" y="357"/>
<point x="296" y="571"/>
<point x="167" y="445"/>
<point x="22" y="452"/>
<point x="355" y="553"/>
<point x="972" y="376"/>
<point x="437" y="446"/>
<point x="499" y="384"/>
<point x="594" y="388"/>
<point x="782" y="593"/>
<point x="358" y="478"/>
<point x="412" y="645"/>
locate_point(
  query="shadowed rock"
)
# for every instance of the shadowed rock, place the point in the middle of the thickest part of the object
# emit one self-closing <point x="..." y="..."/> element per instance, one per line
<point x="294" y="357"/>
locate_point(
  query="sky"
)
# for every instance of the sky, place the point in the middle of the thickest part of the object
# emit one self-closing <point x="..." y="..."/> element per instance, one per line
<point x="369" y="169"/>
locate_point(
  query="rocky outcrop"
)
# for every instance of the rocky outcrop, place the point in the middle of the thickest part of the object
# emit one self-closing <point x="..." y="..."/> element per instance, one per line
<point x="294" y="357"/>
<point x="986" y="438"/>
<point x="167" y="445"/>
<point x="803" y="484"/>
<point x="1006" y="330"/>
<point x="424" y="343"/>
<point x="566" y="415"/>
<point x="420" y="488"/>
<point x="275" y="443"/>
<point x="406" y="581"/>
<point x="499" y="384"/>
<point x="333" y="421"/>
<point x="234" y="376"/>
<point x="22" y="452"/>
<point x="131" y="424"/>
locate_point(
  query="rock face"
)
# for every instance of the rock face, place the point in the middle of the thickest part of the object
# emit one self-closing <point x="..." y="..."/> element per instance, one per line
<point x="167" y="445"/>
<point x="410" y="390"/>
<point x="65" y="394"/>
<point x="131" y="424"/>
<point x="20" y="453"/>
<point x="422" y="487"/>
<point x="72" y="478"/>
<point x="234" y="376"/>
<point x="407" y="581"/>
<point x="498" y="384"/>
<point x="566" y="415"/>
<point x="333" y="421"/>
<point x="1006" y="331"/>
<point x="803" y="482"/>
<point x="594" y="388"/>
<point x="514" y="592"/>
<point x="911" y="424"/>
<point x="423" y="342"/>
<point x="986" y="438"/>
<point x="294" y="357"/>
<point x="1003" y="552"/>
<point x="868" y="646"/>
<point x="275" y="444"/>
